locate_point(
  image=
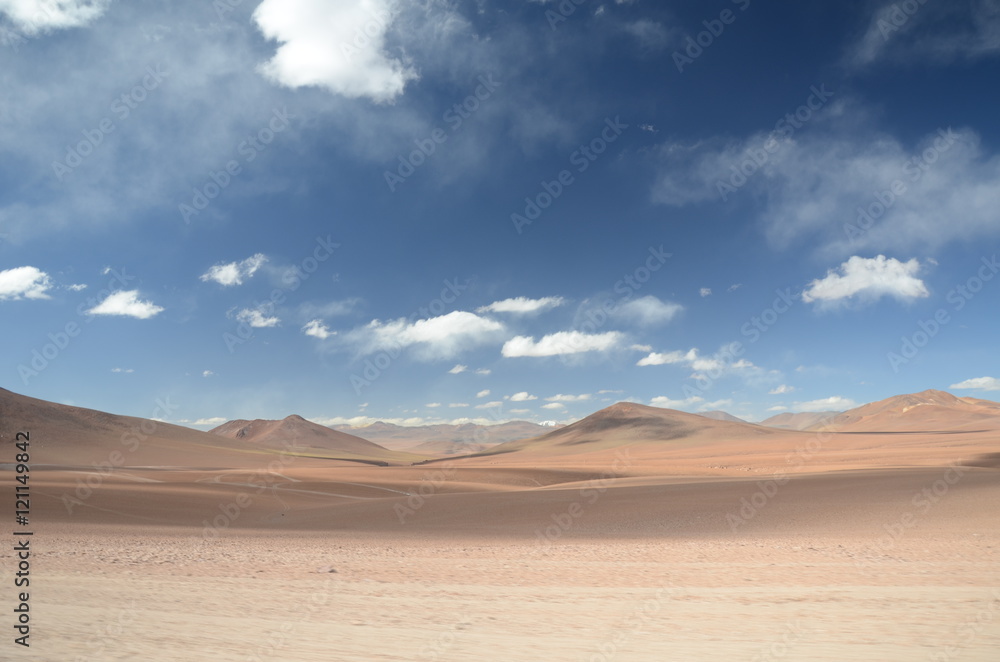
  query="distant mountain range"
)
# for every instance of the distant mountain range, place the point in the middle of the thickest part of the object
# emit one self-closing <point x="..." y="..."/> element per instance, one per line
<point x="68" y="435"/>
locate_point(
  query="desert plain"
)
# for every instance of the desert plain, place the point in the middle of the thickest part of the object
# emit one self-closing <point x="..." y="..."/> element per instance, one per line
<point x="636" y="533"/>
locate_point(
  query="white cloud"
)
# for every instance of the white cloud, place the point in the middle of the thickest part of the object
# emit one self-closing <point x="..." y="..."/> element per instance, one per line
<point x="483" y="371"/>
<point x="123" y="370"/>
<point x="522" y="396"/>
<point x="833" y="403"/>
<point x="234" y="273"/>
<point x="257" y="319"/>
<point x="335" y="44"/>
<point x="432" y="405"/>
<point x="554" y="405"/>
<point x="663" y="401"/>
<point x="648" y="310"/>
<point x="317" y="329"/>
<point x="734" y="287"/>
<point x="207" y="373"/>
<point x="522" y="305"/>
<point x="76" y="287"/>
<point x="432" y="338"/>
<point x="938" y="33"/>
<point x="560" y="397"/>
<point x="779" y="390"/>
<point x="490" y="405"/>
<point x="823" y="186"/>
<point x="126" y="303"/>
<point x="562" y="343"/>
<point x="777" y="408"/>
<point x="868" y="279"/>
<point x="24" y="282"/>
<point x="458" y="369"/>
<point x="215" y="421"/>
<point x="36" y="16"/>
<point x="482" y="394"/>
<point x="668" y="358"/>
<point x="456" y="405"/>
<point x="979" y="383"/>
<point x="715" y="405"/>
<point x="705" y="291"/>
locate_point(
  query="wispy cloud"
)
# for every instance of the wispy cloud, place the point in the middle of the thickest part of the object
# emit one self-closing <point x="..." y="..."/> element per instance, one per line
<point x="234" y="273"/>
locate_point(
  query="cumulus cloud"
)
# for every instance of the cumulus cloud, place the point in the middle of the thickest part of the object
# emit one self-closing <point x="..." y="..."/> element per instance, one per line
<point x="24" y="282"/>
<point x="126" y="303"/>
<point x="257" y="319"/>
<point x="482" y="394"/>
<point x="458" y="369"/>
<point x="522" y="396"/>
<point x="234" y="273"/>
<point x="213" y="421"/>
<point x="339" y="45"/>
<point x="36" y="16"/>
<point x="668" y="358"/>
<point x="648" y="310"/>
<point x="664" y="401"/>
<point x="979" y="384"/>
<point x="868" y="279"/>
<point x="207" y="373"/>
<point x="560" y="397"/>
<point x="317" y="329"/>
<point x="779" y="390"/>
<point x="554" y="405"/>
<point x="705" y="292"/>
<point x="522" y="305"/>
<point x="562" y="343"/>
<point x="490" y="405"/>
<point x="431" y="338"/>
<point x="833" y="403"/>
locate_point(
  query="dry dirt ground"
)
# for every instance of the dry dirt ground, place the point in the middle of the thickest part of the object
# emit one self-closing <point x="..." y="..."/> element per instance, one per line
<point x="512" y="564"/>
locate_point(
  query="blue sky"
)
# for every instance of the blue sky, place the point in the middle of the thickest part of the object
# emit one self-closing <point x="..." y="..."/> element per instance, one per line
<point x="363" y="210"/>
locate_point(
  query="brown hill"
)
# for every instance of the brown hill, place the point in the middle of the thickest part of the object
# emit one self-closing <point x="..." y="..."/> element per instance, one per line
<point x="630" y="423"/>
<point x="445" y="438"/>
<point x="801" y="421"/>
<point x="721" y="416"/>
<point x="76" y="436"/>
<point x="927" y="411"/>
<point x="305" y="435"/>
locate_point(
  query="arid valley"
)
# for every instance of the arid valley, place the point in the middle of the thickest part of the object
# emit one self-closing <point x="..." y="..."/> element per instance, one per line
<point x="636" y="533"/>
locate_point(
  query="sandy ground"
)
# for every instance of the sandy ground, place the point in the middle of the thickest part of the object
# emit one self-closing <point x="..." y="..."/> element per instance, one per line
<point x="514" y="564"/>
